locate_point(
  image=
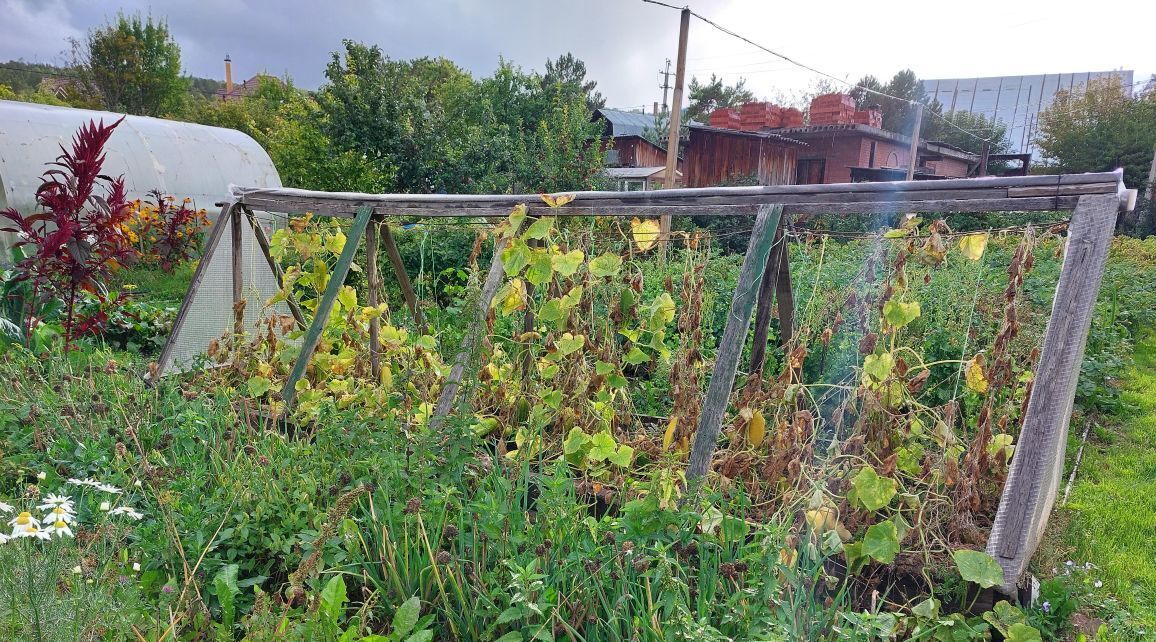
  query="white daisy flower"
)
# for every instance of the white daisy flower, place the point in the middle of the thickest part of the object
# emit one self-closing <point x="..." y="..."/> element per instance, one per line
<point x="87" y="481"/>
<point x="127" y="511"/>
<point x="33" y="531"/>
<point x="59" y="528"/>
<point x="57" y="501"/>
<point x="59" y="514"/>
<point x="6" y="508"/>
<point x="108" y="488"/>
<point x="23" y="522"/>
<point x="4" y="538"/>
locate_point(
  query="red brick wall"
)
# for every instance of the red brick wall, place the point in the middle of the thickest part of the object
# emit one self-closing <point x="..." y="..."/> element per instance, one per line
<point x="949" y="167"/>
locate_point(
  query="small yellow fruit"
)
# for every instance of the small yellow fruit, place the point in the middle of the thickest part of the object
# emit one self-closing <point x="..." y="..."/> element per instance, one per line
<point x="756" y="429"/>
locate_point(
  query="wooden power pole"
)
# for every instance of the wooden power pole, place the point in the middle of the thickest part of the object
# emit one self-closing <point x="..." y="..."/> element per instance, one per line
<point x="675" y="119"/>
<point x="915" y="142"/>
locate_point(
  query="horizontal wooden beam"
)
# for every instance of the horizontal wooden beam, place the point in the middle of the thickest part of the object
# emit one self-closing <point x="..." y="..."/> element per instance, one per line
<point x="1012" y="193"/>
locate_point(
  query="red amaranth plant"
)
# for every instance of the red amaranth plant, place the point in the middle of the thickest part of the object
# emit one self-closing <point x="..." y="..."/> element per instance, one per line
<point x="78" y="239"/>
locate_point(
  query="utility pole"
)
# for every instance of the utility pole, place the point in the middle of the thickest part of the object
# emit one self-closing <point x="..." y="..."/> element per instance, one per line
<point x="915" y="141"/>
<point x="675" y="119"/>
<point x="665" y="84"/>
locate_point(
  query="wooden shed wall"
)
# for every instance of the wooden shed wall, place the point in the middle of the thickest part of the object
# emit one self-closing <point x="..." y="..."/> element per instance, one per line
<point x="716" y="158"/>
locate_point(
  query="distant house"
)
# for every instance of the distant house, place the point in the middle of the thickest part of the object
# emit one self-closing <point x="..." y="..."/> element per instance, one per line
<point x="247" y="88"/>
<point x="627" y="149"/>
<point x="720" y="156"/>
<point x="845" y="153"/>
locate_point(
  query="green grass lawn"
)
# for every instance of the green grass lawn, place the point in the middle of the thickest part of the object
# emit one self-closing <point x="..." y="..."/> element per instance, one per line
<point x="1110" y="519"/>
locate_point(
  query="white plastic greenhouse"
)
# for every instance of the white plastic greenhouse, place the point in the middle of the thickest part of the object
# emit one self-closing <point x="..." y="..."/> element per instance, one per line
<point x="182" y="159"/>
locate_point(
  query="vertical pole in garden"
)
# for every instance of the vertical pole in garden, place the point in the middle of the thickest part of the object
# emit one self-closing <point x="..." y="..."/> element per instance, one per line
<point x="675" y="122"/>
<point x="372" y="282"/>
<point x="1037" y="465"/>
<point x="785" y="294"/>
<point x="493" y="279"/>
<point x="325" y="305"/>
<point x="238" y="272"/>
<point x="216" y="232"/>
<point x="730" y="347"/>
<point x="765" y="305"/>
<point x="402" y="277"/>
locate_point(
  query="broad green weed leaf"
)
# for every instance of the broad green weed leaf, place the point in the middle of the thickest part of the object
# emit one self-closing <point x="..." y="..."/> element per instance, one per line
<point x="406" y="617"/>
<point x="881" y="542"/>
<point x="333" y="598"/>
<point x="978" y="567"/>
<point x="259" y="386"/>
<point x="636" y="356"/>
<point x="874" y="492"/>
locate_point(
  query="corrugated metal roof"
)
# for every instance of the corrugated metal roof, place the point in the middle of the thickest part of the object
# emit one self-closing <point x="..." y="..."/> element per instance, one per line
<point x="633" y="172"/>
<point x="626" y="123"/>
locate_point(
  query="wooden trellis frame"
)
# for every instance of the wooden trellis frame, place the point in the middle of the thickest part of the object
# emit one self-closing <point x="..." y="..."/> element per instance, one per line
<point x="1028" y="496"/>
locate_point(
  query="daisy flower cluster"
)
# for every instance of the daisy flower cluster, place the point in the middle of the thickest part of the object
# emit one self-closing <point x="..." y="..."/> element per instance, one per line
<point x="58" y="514"/>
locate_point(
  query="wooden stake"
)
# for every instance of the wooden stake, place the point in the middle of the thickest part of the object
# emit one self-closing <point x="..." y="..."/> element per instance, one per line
<point x="915" y="142"/>
<point x="216" y="232"/>
<point x="449" y="391"/>
<point x="275" y="267"/>
<point x="325" y="305"/>
<point x="238" y="273"/>
<point x="765" y="306"/>
<point x="373" y="284"/>
<point x="675" y="120"/>
<point x="730" y="347"/>
<point x="1038" y="462"/>
<point x="407" y="291"/>
<point x="785" y="295"/>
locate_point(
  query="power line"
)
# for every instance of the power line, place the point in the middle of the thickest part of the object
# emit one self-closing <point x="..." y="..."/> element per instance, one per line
<point x="824" y="74"/>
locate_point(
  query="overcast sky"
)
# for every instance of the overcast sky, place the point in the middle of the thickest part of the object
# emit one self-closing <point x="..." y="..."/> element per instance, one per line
<point x="625" y="42"/>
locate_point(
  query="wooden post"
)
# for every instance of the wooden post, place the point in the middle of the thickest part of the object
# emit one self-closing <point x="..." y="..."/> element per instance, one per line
<point x="1037" y="465"/>
<point x="785" y="295"/>
<point x="325" y="305"/>
<point x="915" y="142"/>
<point x="373" y="284"/>
<point x="403" y="281"/>
<point x="765" y="306"/>
<point x="984" y="155"/>
<point x="1151" y="186"/>
<point x="216" y="232"/>
<point x="274" y="266"/>
<point x="730" y="347"/>
<point x="449" y="391"/>
<point x="238" y="273"/>
<point x="675" y="120"/>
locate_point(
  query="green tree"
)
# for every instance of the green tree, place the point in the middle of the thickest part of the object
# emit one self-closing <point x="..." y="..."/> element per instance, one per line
<point x="714" y="94"/>
<point x="901" y="91"/>
<point x="134" y="65"/>
<point x="975" y="128"/>
<point x="567" y="75"/>
<point x="1099" y="128"/>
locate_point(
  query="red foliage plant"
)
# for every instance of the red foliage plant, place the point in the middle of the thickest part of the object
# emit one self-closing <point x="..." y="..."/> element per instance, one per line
<point x="78" y="238"/>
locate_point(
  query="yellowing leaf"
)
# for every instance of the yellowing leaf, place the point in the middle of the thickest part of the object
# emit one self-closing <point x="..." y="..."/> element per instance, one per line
<point x="567" y="264"/>
<point x="973" y="246"/>
<point x="335" y="243"/>
<point x="516" y="217"/>
<point x="512" y="297"/>
<point x="973" y="376"/>
<point x="900" y="313"/>
<point x="559" y="200"/>
<point x="645" y="233"/>
<point x="668" y="437"/>
<point x="605" y="265"/>
<point x="756" y="429"/>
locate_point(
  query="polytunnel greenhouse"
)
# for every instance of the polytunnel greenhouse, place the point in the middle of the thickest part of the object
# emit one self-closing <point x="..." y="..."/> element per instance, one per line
<point x="181" y="159"/>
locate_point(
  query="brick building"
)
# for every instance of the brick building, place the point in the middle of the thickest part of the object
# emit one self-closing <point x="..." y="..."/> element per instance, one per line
<point x="834" y="152"/>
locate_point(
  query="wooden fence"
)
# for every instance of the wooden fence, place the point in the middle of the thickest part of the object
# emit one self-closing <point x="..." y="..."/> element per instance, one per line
<point x="1028" y="496"/>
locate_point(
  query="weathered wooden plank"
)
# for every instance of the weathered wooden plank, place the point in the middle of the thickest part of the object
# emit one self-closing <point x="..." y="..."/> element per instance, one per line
<point x="373" y="285"/>
<point x="238" y="272"/>
<point x="449" y="391"/>
<point x="216" y="233"/>
<point x="274" y="266"/>
<point x="745" y="208"/>
<point x="1037" y="465"/>
<point x="765" y="306"/>
<point x="730" y="347"/>
<point x="325" y="305"/>
<point x="407" y="291"/>
<point x="785" y="295"/>
<point x="1062" y="190"/>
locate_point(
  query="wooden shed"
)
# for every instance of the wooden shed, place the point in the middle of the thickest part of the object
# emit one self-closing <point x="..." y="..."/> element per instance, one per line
<point x="718" y="156"/>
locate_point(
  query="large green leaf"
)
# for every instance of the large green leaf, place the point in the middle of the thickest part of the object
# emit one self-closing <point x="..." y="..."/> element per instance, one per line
<point x="878" y="367"/>
<point x="900" y="313"/>
<point x="568" y="263"/>
<point x="515" y="257"/>
<point x="874" y="492"/>
<point x="881" y="542"/>
<point x="541" y="268"/>
<point x="1023" y="633"/>
<point x="406" y="617"/>
<point x="602" y="447"/>
<point x="333" y="598"/>
<point x="606" y="265"/>
<point x="978" y="567"/>
<point x="540" y="228"/>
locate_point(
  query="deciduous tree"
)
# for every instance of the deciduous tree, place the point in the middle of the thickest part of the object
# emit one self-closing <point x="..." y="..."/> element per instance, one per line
<point x="133" y="65"/>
